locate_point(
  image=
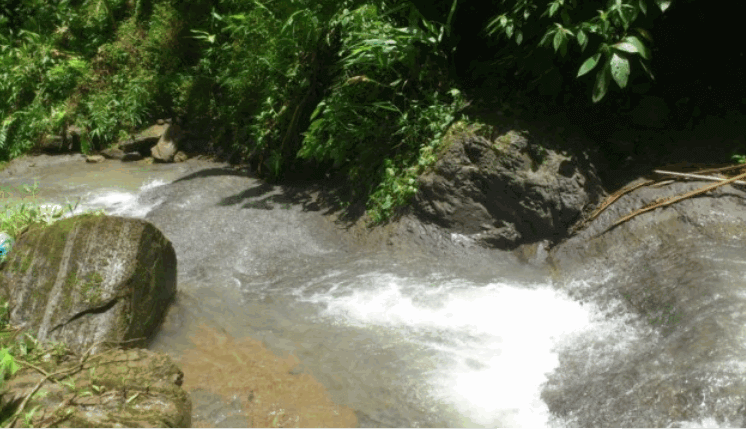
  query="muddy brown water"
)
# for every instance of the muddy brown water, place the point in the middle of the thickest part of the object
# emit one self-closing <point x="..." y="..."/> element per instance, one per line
<point x="280" y="322"/>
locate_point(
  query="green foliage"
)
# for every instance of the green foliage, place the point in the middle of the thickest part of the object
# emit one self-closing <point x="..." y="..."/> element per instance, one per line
<point x="360" y="87"/>
<point x="65" y="62"/>
<point x="384" y="115"/>
<point x="610" y="33"/>
<point x="260" y="62"/>
<point x="8" y="365"/>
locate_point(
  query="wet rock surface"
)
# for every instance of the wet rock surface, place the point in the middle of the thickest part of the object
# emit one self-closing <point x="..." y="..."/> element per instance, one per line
<point x="506" y="190"/>
<point x="717" y="215"/>
<point x="144" y="140"/>
<point x="673" y="276"/>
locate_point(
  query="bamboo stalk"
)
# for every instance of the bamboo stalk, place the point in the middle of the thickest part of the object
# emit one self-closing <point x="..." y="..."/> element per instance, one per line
<point x="697" y="176"/>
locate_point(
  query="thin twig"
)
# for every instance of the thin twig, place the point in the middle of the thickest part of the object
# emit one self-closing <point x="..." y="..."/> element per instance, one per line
<point x="48" y="376"/>
<point x="18" y="412"/>
<point x="669" y="201"/>
<point x="721" y="169"/>
<point x="696" y="176"/>
<point x="615" y="196"/>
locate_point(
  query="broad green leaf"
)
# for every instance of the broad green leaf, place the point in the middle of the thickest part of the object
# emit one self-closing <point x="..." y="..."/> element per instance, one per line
<point x="589" y="64"/>
<point x="518" y="37"/>
<point x="558" y="36"/>
<point x="663" y="4"/>
<point x="626" y="47"/>
<point x="641" y="48"/>
<point x="553" y="9"/>
<point x="602" y="83"/>
<point x="619" y="69"/>
<point x="7" y="363"/>
<point x="582" y="39"/>
<point x="643" y="7"/>
<point x="545" y="39"/>
<point x="628" y="14"/>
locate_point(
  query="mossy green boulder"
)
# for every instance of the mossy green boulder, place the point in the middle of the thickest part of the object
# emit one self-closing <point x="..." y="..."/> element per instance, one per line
<point x="89" y="280"/>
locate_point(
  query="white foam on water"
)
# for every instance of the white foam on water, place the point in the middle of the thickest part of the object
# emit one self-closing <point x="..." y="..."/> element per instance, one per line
<point x="707" y="422"/>
<point x="496" y="342"/>
<point x="121" y="203"/>
<point x="152" y="184"/>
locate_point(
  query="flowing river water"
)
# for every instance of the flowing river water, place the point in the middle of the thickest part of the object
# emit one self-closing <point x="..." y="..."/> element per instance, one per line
<point x="394" y="338"/>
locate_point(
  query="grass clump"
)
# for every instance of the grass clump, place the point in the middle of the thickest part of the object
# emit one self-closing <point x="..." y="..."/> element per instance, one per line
<point x="16" y="218"/>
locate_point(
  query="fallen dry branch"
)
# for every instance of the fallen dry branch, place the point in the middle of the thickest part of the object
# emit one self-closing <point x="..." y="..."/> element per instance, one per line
<point x="721" y="169"/>
<point x="615" y="196"/>
<point x="669" y="201"/>
<point x="695" y="176"/>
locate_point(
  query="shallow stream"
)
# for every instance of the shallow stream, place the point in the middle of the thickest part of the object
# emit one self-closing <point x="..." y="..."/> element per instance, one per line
<point x="403" y="339"/>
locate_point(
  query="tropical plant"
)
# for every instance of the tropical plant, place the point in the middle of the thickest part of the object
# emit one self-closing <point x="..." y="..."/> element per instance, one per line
<point x="615" y="35"/>
<point x="389" y="104"/>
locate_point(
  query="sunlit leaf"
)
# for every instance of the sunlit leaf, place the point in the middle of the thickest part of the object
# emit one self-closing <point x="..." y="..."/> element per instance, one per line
<point x="619" y="69"/>
<point x="639" y="45"/>
<point x="582" y="39"/>
<point x="558" y="36"/>
<point x="643" y="7"/>
<point x="626" y="47"/>
<point x="518" y="37"/>
<point x="663" y="4"/>
<point x="589" y="64"/>
<point x="545" y="39"/>
<point x="553" y="9"/>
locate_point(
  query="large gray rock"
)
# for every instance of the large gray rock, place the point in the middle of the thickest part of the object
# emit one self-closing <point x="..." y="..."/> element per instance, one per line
<point x="674" y="276"/>
<point x="167" y="146"/>
<point x="116" y="153"/>
<point x="68" y="141"/>
<point x="118" y="388"/>
<point x="507" y="191"/>
<point x="90" y="279"/>
<point x="143" y="141"/>
<point x="112" y="153"/>
<point x="54" y="144"/>
<point x="718" y="215"/>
